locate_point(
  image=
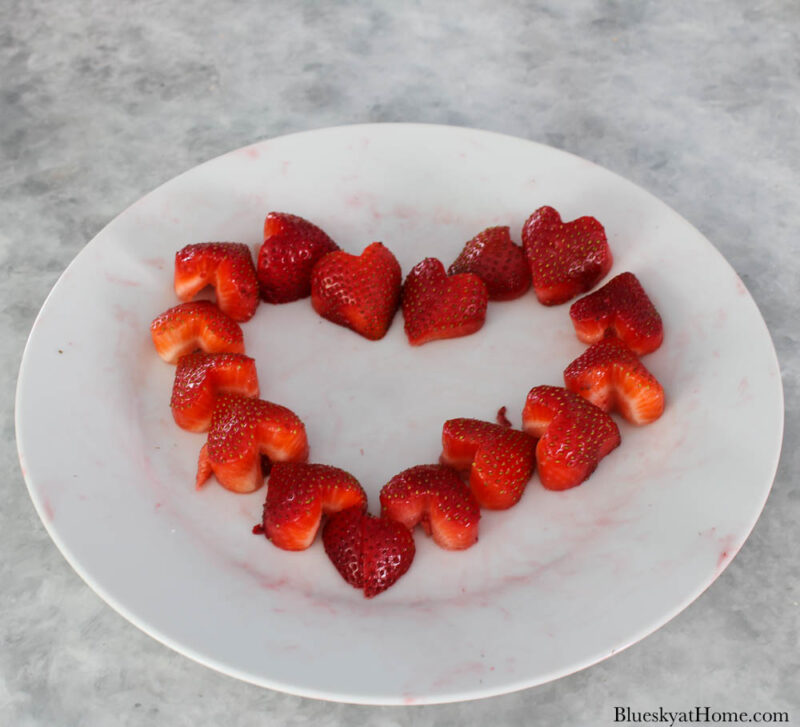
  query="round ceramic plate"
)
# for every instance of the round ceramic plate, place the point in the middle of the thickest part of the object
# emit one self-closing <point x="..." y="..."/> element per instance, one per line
<point x="555" y="584"/>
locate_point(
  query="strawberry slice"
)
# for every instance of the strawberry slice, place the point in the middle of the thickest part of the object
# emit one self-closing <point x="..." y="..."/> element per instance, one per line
<point x="574" y="435"/>
<point x="289" y="252"/>
<point x="566" y="258"/>
<point x="500" y="461"/>
<point x="228" y="267"/>
<point x="370" y="553"/>
<point x="438" y="306"/>
<point x="611" y="376"/>
<point x="299" y="494"/>
<point x="497" y="261"/>
<point x="200" y="377"/>
<point x="621" y="308"/>
<point x="189" y="326"/>
<point x="360" y="292"/>
<point x="241" y="431"/>
<point x="433" y="496"/>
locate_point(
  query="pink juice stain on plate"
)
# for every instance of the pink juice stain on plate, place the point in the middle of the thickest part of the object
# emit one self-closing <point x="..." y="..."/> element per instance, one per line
<point x="47" y="506"/>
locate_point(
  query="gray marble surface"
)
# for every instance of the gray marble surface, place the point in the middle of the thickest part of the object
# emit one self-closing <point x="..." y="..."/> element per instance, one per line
<point x="100" y="102"/>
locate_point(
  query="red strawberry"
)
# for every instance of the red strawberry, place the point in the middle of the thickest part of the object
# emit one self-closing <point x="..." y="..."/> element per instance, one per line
<point x="435" y="497"/>
<point x="241" y="431"/>
<point x="189" y="326"/>
<point x="566" y="258"/>
<point x="199" y="377"/>
<point x="370" y="553"/>
<point x="227" y="266"/>
<point x="497" y="261"/>
<point x="574" y="435"/>
<point x="500" y="460"/>
<point x="299" y="494"/>
<point x="436" y="306"/>
<point x="610" y="375"/>
<point x="289" y="252"/>
<point x="360" y="292"/>
<point x="621" y="308"/>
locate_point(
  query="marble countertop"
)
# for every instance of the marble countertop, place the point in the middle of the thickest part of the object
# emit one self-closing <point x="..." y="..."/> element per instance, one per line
<point x="100" y="103"/>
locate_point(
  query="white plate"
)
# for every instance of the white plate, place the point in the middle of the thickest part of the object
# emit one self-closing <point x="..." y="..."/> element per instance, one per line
<point x="561" y="581"/>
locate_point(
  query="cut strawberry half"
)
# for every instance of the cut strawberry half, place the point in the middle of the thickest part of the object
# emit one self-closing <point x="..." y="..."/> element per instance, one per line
<point x="242" y="430"/>
<point x="500" y="461"/>
<point x="299" y="494"/>
<point x="200" y="377"/>
<point x="565" y="258"/>
<point x="574" y="435"/>
<point x="291" y="248"/>
<point x="435" y="497"/>
<point x="621" y="308"/>
<point x="197" y="325"/>
<point x="228" y="267"/>
<point x="370" y="553"/>
<point x="611" y="376"/>
<point x="360" y="292"/>
<point x="497" y="261"/>
<point x="437" y="306"/>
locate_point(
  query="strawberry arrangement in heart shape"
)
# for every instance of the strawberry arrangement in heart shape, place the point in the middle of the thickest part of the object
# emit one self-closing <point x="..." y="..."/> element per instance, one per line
<point x="565" y="433"/>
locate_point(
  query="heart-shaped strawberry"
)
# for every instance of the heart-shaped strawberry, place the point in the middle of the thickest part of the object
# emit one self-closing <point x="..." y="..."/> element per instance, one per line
<point x="189" y="326"/>
<point x="299" y="494"/>
<point x="566" y="258"/>
<point x="497" y="261"/>
<point x="227" y="267"/>
<point x="611" y="376"/>
<point x="574" y="435"/>
<point x="622" y="308"/>
<point x="287" y="256"/>
<point x="201" y="377"/>
<point x="500" y="461"/>
<point x="437" y="306"/>
<point x="360" y="292"/>
<point x="242" y="430"/>
<point x="370" y="553"/>
<point x="433" y="495"/>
